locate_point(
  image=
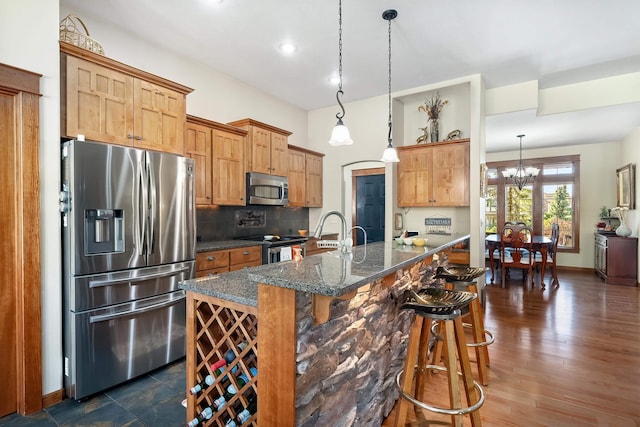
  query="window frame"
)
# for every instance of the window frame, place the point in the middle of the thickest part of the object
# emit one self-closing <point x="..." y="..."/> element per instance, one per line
<point x="537" y="192"/>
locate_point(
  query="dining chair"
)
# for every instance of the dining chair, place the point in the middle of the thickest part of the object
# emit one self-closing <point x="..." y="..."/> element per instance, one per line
<point x="551" y="255"/>
<point x="516" y="244"/>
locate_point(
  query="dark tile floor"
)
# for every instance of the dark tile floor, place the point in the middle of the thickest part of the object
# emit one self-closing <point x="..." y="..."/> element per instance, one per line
<point x="152" y="400"/>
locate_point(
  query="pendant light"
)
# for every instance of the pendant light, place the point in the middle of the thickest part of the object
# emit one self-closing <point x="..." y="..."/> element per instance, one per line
<point x="389" y="155"/>
<point x="340" y="134"/>
<point x="520" y="176"/>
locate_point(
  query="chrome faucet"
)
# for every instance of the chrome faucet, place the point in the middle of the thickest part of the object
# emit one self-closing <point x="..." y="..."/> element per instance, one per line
<point x="344" y="244"/>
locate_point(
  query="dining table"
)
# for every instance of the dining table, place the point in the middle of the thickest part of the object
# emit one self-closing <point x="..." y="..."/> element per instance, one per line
<point x="540" y="244"/>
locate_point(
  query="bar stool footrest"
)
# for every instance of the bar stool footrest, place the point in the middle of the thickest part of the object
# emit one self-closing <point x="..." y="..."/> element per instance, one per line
<point x="484" y="343"/>
<point x="445" y="411"/>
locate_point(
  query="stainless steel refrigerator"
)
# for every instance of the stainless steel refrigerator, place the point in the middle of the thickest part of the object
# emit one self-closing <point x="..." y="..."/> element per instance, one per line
<point x="128" y="225"/>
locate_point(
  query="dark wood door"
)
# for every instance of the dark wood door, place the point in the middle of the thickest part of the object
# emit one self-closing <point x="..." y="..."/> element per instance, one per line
<point x="370" y="208"/>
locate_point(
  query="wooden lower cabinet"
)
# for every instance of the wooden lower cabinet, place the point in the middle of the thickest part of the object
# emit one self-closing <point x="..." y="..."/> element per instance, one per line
<point x="616" y="259"/>
<point x="225" y="260"/>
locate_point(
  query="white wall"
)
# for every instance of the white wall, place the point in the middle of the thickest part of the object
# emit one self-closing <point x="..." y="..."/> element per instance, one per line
<point x="216" y="96"/>
<point x="29" y="40"/>
<point x="598" y="163"/>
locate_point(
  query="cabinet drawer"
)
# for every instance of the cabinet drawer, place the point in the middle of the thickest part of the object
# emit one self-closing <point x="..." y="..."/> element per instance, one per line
<point x="255" y="263"/>
<point x="245" y="255"/>
<point x="212" y="259"/>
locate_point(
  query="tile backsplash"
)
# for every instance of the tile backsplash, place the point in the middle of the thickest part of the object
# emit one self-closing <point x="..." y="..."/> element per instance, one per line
<point x="229" y="222"/>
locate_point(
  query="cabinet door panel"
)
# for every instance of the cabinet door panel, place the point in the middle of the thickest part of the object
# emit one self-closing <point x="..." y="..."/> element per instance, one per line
<point x="198" y="147"/>
<point x="159" y="119"/>
<point x="260" y="158"/>
<point x="279" y="150"/>
<point x="450" y="175"/>
<point x="98" y="102"/>
<point x="313" y="181"/>
<point x="229" y="183"/>
<point x="297" y="180"/>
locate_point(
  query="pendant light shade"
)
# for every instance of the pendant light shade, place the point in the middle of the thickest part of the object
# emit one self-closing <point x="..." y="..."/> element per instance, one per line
<point x="340" y="134"/>
<point x="389" y="155"/>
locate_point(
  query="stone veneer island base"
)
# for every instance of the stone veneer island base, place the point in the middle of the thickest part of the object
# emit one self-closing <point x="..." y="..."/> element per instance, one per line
<point x="326" y="335"/>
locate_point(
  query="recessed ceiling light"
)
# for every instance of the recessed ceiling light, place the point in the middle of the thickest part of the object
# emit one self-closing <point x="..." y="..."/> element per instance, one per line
<point x="288" y="48"/>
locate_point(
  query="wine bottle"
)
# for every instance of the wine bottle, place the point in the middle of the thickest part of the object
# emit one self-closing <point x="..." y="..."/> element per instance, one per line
<point x="231" y="389"/>
<point x="206" y="414"/>
<point x="208" y="380"/>
<point x="246" y="413"/>
<point x="229" y="422"/>
<point x="230" y="355"/>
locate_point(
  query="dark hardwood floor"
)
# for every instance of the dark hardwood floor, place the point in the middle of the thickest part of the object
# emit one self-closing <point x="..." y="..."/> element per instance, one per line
<point x="567" y="356"/>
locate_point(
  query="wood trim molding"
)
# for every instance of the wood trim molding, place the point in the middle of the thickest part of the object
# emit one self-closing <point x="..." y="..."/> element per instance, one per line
<point x="216" y="125"/>
<point x="21" y="156"/>
<point x="305" y="150"/>
<point x="19" y="80"/>
<point x="52" y="398"/>
<point x="69" y="49"/>
<point x="251" y="122"/>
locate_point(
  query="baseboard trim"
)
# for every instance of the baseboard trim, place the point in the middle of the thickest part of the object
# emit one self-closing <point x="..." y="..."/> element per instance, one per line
<point x="52" y="398"/>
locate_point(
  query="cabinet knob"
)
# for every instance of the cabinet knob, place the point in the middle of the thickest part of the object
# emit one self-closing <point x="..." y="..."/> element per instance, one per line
<point x="130" y="136"/>
<point x="138" y="137"/>
<point x="208" y="198"/>
<point x="211" y="258"/>
<point x="246" y="252"/>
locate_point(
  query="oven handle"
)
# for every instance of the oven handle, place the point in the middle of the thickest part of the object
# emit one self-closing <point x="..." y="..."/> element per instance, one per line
<point x="100" y="283"/>
<point x="105" y="317"/>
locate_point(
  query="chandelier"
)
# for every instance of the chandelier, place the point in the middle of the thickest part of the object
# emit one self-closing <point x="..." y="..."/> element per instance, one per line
<point x="521" y="176"/>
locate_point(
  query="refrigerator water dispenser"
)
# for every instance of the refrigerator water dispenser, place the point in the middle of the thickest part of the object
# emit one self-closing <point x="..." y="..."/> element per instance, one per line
<point x="103" y="231"/>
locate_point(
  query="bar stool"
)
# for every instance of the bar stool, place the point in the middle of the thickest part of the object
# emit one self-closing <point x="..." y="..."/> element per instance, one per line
<point x="445" y="306"/>
<point x="464" y="278"/>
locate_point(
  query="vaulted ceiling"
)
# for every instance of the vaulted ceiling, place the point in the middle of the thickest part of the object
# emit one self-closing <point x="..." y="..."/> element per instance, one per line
<point x="553" y="42"/>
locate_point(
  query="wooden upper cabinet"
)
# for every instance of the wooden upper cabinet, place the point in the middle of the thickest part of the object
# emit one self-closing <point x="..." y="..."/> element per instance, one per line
<point x="435" y="174"/>
<point x="218" y="151"/>
<point x="267" y="147"/>
<point x="313" y="163"/>
<point x="108" y="101"/>
<point x="229" y="182"/>
<point x="305" y="177"/>
<point x="297" y="179"/>
<point x="198" y="148"/>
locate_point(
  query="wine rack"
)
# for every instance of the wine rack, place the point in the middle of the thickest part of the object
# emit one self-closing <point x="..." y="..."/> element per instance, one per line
<point x="220" y="327"/>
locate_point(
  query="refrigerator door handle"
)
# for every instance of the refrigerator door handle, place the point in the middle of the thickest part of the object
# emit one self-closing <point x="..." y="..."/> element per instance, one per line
<point x="138" y="206"/>
<point x="153" y="197"/>
<point x="105" y="317"/>
<point x="100" y="283"/>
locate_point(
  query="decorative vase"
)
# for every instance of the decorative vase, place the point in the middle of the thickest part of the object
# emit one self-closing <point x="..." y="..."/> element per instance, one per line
<point x="434" y="130"/>
<point x="623" y="230"/>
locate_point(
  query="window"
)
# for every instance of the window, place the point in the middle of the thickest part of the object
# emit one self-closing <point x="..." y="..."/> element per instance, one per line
<point x="551" y="197"/>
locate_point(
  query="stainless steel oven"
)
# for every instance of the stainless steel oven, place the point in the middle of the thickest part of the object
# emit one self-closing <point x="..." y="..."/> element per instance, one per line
<point x="281" y="252"/>
<point x="279" y="248"/>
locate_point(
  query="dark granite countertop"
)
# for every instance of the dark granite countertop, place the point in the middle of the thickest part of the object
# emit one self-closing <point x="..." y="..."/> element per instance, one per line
<point x="330" y="273"/>
<point x="224" y="244"/>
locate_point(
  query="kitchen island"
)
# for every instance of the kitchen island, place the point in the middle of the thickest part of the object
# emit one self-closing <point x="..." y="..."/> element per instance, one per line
<point x="325" y="333"/>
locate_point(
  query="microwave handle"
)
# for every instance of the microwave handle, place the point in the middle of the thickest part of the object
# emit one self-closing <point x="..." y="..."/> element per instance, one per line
<point x="282" y="191"/>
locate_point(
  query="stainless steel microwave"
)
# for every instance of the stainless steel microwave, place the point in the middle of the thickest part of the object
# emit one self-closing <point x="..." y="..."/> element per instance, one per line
<point x="263" y="189"/>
